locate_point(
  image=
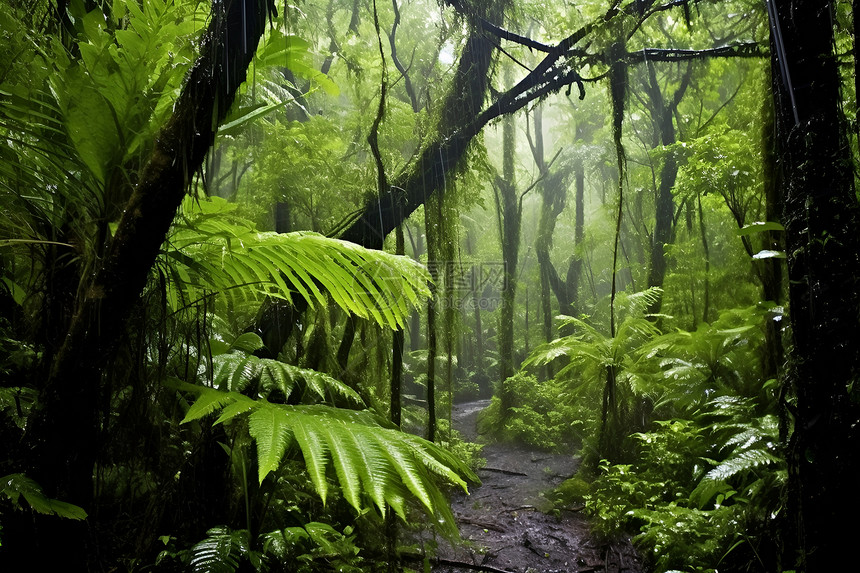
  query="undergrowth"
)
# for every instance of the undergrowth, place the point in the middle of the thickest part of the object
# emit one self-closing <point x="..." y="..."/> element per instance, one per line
<point x="542" y="418"/>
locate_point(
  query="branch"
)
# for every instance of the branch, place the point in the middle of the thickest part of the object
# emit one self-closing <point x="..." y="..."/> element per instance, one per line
<point x="507" y="35"/>
<point x="656" y="9"/>
<point x="404" y="72"/>
<point x="744" y="50"/>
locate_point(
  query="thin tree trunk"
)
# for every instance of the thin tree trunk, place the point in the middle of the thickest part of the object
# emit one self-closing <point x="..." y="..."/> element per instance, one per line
<point x="772" y="275"/>
<point x="475" y="285"/>
<point x="432" y="346"/>
<point x="662" y="113"/>
<point x="397" y="350"/>
<point x="511" y="218"/>
<point x="707" y="294"/>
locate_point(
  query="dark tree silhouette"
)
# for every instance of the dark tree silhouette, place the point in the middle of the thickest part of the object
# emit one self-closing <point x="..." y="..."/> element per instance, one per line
<point x="821" y="220"/>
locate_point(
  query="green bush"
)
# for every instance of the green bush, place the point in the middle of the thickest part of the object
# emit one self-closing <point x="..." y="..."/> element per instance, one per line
<point x="540" y="419"/>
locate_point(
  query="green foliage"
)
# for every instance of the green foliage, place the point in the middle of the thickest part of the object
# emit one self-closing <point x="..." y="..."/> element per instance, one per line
<point x="374" y="464"/>
<point x="221" y="551"/>
<point x="689" y="517"/>
<point x="15" y="486"/>
<point x="123" y="86"/>
<point x="572" y="491"/>
<point x="751" y="463"/>
<point x="237" y="370"/>
<point x="539" y="419"/>
<point x="612" y="369"/>
<point x="716" y="358"/>
<point x="215" y="250"/>
<point x="315" y="543"/>
<point x="708" y="471"/>
<point x="687" y="539"/>
<point x="312" y="547"/>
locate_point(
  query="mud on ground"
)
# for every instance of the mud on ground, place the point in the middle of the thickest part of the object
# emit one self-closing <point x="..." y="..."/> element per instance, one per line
<point x="503" y="524"/>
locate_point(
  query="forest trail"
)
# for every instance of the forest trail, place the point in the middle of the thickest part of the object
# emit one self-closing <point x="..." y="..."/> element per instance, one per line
<point x="503" y="524"/>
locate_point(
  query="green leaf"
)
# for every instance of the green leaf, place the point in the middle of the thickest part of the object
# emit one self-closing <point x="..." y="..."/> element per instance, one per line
<point x="233" y="127"/>
<point x="223" y="253"/>
<point x="270" y="430"/>
<point x="14" y="486"/>
<point x="248" y="342"/>
<point x="208" y="402"/>
<point x="368" y="459"/>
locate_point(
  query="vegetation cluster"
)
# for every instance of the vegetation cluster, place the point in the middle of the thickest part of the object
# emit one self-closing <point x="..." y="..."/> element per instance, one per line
<point x="252" y="253"/>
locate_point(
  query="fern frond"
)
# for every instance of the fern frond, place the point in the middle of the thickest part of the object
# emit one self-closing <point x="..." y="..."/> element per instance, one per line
<point x="742" y="462"/>
<point x="374" y="464"/>
<point x="15" y="486"/>
<point x="225" y="254"/>
<point x="235" y="371"/>
<point x="220" y="551"/>
<point x="634" y="305"/>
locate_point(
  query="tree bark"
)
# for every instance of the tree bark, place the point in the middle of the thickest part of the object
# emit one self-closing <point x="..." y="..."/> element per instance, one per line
<point x="432" y="343"/>
<point x="397" y="349"/>
<point x="510" y="216"/>
<point x="821" y="220"/>
<point x="65" y="431"/>
<point x="772" y="272"/>
<point x="662" y="113"/>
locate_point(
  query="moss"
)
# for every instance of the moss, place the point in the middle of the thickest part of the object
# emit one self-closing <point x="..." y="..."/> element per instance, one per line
<point x="571" y="492"/>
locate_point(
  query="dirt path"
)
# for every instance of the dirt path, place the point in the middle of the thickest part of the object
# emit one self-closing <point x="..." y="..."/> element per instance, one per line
<point x="503" y="523"/>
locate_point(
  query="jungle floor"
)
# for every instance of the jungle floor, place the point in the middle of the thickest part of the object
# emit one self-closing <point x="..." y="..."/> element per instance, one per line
<point x="504" y="527"/>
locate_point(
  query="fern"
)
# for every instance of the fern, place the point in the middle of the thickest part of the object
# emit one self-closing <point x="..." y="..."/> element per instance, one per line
<point x="222" y="550"/>
<point x="15" y="486"/>
<point x="374" y="464"/>
<point x="753" y="453"/>
<point x="236" y="371"/>
<point x="214" y="250"/>
<point x="744" y="461"/>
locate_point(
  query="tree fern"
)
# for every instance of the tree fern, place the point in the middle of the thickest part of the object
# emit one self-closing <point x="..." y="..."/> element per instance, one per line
<point x="374" y="464"/>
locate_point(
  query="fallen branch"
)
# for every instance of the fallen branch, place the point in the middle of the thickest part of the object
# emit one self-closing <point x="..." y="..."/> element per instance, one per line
<point x="506" y="472"/>
<point x="453" y="563"/>
<point x="522" y="508"/>
<point x="482" y="524"/>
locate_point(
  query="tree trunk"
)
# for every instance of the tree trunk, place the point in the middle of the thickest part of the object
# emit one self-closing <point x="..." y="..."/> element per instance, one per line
<point x="510" y="215"/>
<point x="411" y="190"/>
<point x="821" y="220"/>
<point x="707" y="295"/>
<point x="430" y="225"/>
<point x="65" y="431"/>
<point x="397" y="346"/>
<point x="772" y="274"/>
<point x="662" y="113"/>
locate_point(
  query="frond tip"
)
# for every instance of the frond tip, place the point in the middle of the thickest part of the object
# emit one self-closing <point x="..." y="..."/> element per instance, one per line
<point x="15" y="486"/>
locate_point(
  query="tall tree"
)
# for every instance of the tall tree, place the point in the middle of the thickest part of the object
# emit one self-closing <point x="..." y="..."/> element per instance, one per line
<point x="65" y="432"/>
<point x="662" y="113"/>
<point x="509" y="208"/>
<point x="823" y="246"/>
